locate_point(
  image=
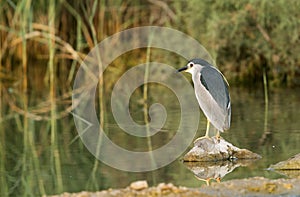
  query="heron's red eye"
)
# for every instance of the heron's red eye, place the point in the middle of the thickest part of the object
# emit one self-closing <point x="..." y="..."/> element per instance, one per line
<point x="191" y="65"/>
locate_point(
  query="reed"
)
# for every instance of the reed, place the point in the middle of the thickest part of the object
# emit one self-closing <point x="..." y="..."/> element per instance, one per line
<point x="3" y="183"/>
<point x="3" y="179"/>
<point x="145" y="101"/>
<point x="266" y="132"/>
<point x="266" y="96"/>
<point x="146" y="106"/>
<point x="24" y="14"/>
<point x="100" y="6"/>
<point x="239" y="43"/>
<point x="35" y="160"/>
<point x="55" y="154"/>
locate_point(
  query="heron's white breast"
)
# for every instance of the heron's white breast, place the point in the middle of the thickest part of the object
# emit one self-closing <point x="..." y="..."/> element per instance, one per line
<point x="208" y="105"/>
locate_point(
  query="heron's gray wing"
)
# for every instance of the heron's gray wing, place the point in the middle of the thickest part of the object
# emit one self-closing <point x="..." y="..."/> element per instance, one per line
<point x="215" y="83"/>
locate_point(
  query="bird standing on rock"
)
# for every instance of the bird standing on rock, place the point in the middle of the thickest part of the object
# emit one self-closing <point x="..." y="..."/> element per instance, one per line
<point x="211" y="89"/>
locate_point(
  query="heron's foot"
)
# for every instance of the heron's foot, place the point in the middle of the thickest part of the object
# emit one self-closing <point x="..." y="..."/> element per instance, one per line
<point x="207" y="180"/>
<point x="202" y="138"/>
<point x="218" y="136"/>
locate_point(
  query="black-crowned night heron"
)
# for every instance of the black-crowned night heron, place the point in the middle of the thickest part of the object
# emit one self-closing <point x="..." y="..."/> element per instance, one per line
<point x="211" y="89"/>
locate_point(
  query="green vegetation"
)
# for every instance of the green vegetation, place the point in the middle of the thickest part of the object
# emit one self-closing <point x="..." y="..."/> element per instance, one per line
<point x="244" y="37"/>
<point x="247" y="37"/>
<point x="42" y="44"/>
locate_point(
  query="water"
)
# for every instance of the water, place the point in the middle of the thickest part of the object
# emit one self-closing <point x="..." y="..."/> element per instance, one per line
<point x="274" y="134"/>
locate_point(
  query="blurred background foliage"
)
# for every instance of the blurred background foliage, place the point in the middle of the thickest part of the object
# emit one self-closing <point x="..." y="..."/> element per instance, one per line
<point x="246" y="38"/>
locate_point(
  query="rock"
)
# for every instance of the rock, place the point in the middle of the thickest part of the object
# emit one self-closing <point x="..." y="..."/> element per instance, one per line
<point x="289" y="173"/>
<point x="289" y="168"/>
<point x="139" y="185"/>
<point x="217" y="149"/>
<point x="292" y="163"/>
<point x="256" y="186"/>
<point x="164" y="186"/>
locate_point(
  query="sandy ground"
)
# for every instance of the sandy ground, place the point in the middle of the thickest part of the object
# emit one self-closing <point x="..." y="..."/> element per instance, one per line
<point x="256" y="186"/>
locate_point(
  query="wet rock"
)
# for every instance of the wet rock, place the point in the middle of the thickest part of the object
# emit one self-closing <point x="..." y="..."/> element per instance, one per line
<point x="292" y="163"/>
<point x="289" y="168"/>
<point x="139" y="185"/>
<point x="217" y="149"/>
<point x="289" y="173"/>
<point x="257" y="186"/>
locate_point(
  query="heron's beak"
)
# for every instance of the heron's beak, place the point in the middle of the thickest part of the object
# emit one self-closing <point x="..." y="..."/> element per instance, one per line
<point x="182" y="69"/>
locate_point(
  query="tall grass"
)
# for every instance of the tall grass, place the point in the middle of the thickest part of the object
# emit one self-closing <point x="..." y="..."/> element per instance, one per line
<point x="3" y="182"/>
<point x="94" y="181"/>
<point x="55" y="154"/>
<point x="145" y="104"/>
<point x="241" y="36"/>
<point x="26" y="143"/>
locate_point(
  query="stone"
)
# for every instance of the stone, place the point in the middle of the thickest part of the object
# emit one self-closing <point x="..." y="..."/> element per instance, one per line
<point x="292" y="163"/>
<point x="217" y="149"/>
<point x="139" y="185"/>
<point x="289" y="168"/>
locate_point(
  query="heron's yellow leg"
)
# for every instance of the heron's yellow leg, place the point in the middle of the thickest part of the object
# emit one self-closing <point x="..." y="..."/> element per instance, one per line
<point x="206" y="133"/>
<point x="207" y="182"/>
<point x="218" y="134"/>
<point x="207" y="129"/>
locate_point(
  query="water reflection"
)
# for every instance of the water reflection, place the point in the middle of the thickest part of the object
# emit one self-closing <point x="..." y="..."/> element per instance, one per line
<point x="19" y="167"/>
<point x="207" y="171"/>
<point x="289" y="173"/>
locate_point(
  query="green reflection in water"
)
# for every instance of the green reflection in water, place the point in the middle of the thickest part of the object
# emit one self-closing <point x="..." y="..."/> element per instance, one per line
<point x="278" y="141"/>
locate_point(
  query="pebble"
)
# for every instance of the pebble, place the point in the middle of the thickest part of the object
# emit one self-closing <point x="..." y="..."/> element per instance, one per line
<point x="139" y="185"/>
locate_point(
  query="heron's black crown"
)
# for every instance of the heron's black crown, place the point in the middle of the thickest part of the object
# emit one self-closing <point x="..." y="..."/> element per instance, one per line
<point x="200" y="61"/>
